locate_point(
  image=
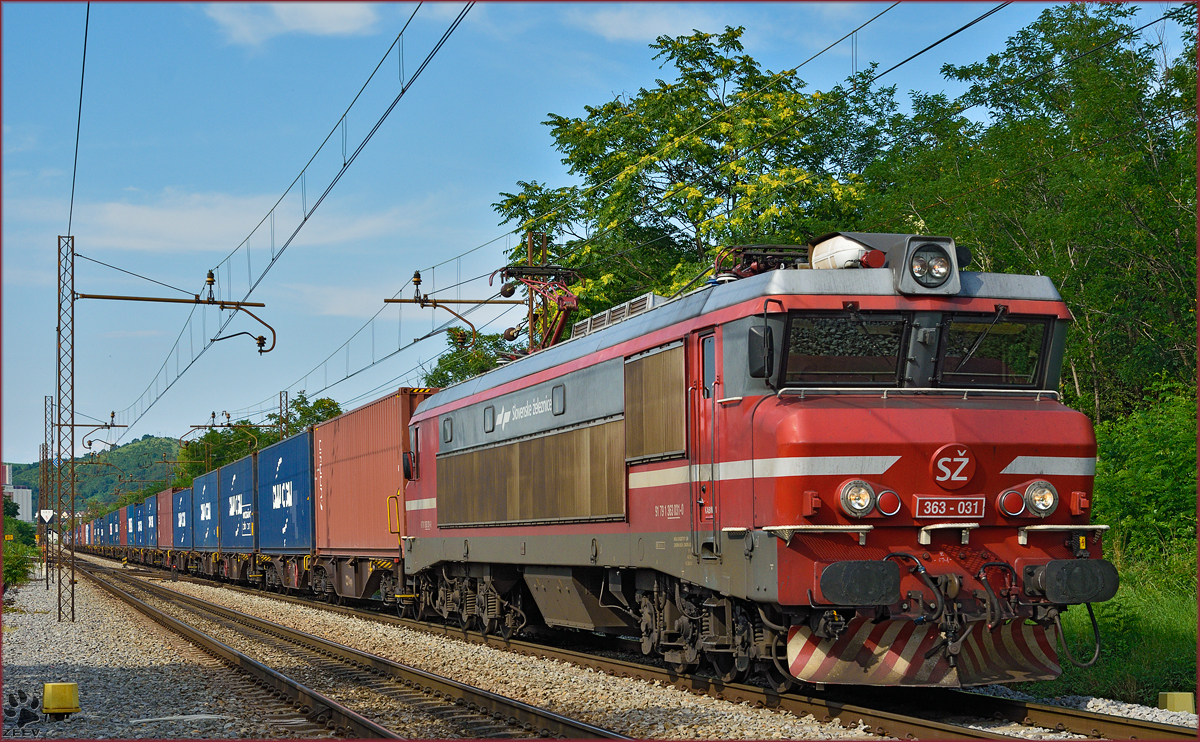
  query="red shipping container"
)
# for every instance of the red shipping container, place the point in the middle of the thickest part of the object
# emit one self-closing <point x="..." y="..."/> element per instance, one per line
<point x="165" y="519"/>
<point x="356" y="468"/>
<point x="123" y="526"/>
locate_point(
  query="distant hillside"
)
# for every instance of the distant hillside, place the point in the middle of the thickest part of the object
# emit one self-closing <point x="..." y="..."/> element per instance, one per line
<point x="97" y="484"/>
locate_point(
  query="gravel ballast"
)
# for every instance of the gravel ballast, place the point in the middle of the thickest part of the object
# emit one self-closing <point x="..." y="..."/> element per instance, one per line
<point x="1099" y="706"/>
<point x="128" y="669"/>
<point x="632" y="707"/>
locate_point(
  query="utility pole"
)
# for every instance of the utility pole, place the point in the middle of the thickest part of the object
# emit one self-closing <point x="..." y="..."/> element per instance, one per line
<point x="283" y="414"/>
<point x="63" y="471"/>
<point x="64" y="462"/>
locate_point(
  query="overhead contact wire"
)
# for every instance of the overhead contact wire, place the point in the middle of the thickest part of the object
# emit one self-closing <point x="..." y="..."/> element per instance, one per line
<point x="445" y="36"/>
<point x="79" y="118"/>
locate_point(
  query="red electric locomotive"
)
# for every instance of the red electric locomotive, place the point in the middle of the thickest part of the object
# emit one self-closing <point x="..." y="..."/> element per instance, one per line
<point x="849" y="467"/>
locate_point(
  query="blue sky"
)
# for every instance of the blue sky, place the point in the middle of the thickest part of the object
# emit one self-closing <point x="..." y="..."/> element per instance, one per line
<point x="196" y="118"/>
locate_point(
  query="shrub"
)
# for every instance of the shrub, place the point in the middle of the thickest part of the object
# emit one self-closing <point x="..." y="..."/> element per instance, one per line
<point x="18" y="560"/>
<point x="1146" y="471"/>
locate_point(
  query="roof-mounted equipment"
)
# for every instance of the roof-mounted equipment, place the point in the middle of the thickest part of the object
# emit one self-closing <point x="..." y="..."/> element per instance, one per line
<point x="920" y="265"/>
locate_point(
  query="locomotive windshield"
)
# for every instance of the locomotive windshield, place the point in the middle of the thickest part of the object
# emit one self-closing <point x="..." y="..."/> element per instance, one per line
<point x="845" y="348"/>
<point x="986" y="350"/>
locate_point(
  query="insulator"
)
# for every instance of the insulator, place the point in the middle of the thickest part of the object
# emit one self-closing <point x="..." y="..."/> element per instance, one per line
<point x="210" y="280"/>
<point x="416" y="279"/>
<point x="510" y="334"/>
<point x="508" y="289"/>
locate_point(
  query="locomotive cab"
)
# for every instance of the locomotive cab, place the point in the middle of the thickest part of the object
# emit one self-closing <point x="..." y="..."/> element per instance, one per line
<point x="841" y="464"/>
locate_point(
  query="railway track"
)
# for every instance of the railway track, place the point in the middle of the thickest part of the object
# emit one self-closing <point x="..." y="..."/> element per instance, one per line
<point x="885" y="711"/>
<point x="476" y="713"/>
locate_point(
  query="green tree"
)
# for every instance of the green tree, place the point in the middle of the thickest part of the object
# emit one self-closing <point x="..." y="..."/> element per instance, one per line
<point x="1082" y="168"/>
<point x="1085" y="172"/>
<point x="220" y="446"/>
<point x="465" y="359"/>
<point x="725" y="153"/>
<point x="1146" y="469"/>
<point x="11" y="509"/>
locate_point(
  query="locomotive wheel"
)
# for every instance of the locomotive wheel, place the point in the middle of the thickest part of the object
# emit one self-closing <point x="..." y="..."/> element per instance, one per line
<point x="777" y="681"/>
<point x="725" y="666"/>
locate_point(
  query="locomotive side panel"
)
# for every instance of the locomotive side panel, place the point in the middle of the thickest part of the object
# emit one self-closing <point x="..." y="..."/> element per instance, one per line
<point x="656" y="404"/>
<point x="569" y="476"/>
<point x="552" y="452"/>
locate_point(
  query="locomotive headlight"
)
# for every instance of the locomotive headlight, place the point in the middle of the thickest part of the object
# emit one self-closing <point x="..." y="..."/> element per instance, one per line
<point x="857" y="498"/>
<point x="930" y="265"/>
<point x="1041" y="498"/>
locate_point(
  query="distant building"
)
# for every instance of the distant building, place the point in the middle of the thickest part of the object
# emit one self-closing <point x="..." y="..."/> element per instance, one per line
<point x="23" y="496"/>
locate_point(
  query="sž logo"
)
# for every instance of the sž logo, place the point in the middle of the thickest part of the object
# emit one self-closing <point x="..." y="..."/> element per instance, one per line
<point x="952" y="466"/>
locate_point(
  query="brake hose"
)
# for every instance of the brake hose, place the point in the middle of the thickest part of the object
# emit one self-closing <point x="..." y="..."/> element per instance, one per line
<point x="1063" y="638"/>
<point x="924" y="575"/>
<point x="981" y="575"/>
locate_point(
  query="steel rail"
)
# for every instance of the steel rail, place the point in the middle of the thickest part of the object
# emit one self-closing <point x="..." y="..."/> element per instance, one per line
<point x="878" y="717"/>
<point x="310" y="701"/>
<point x="1058" y="718"/>
<point x="545" y="722"/>
<point x="879" y="721"/>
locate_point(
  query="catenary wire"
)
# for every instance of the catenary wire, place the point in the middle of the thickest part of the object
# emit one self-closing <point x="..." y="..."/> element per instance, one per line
<point x="875" y="78"/>
<point x="454" y="25"/>
<point x="135" y="275"/>
<point x="413" y="78"/>
<point x="79" y="119"/>
<point x="712" y="170"/>
<point x="778" y="76"/>
<point x="1019" y="83"/>
<point x="583" y="243"/>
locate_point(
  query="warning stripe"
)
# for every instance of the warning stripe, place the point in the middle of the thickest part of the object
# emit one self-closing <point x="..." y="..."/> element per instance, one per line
<point x="893" y="652"/>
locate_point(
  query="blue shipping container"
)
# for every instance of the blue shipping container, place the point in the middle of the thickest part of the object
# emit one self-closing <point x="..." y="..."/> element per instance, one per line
<point x="285" y="504"/>
<point x="114" y="528"/>
<point x="206" y="521"/>
<point x="137" y="535"/>
<point x="181" y="528"/>
<point x="151" y="524"/>
<point x="237" y="505"/>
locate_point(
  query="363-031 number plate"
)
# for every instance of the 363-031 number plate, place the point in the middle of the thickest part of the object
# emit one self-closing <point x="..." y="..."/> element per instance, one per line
<point x="970" y="506"/>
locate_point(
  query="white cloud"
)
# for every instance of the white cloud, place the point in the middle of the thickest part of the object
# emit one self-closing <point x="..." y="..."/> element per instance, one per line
<point x="642" y="22"/>
<point x="252" y="24"/>
<point x="175" y="222"/>
<point x="339" y="301"/>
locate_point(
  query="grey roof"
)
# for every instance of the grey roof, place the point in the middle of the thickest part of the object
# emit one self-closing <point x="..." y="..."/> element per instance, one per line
<point x="711" y="298"/>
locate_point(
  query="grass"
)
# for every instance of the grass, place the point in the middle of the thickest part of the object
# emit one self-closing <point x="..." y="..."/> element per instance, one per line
<point x="1147" y="632"/>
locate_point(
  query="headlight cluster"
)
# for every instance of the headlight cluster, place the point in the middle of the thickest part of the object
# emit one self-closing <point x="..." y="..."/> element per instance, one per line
<point x="1041" y="498"/>
<point x="930" y="266"/>
<point x="859" y="499"/>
